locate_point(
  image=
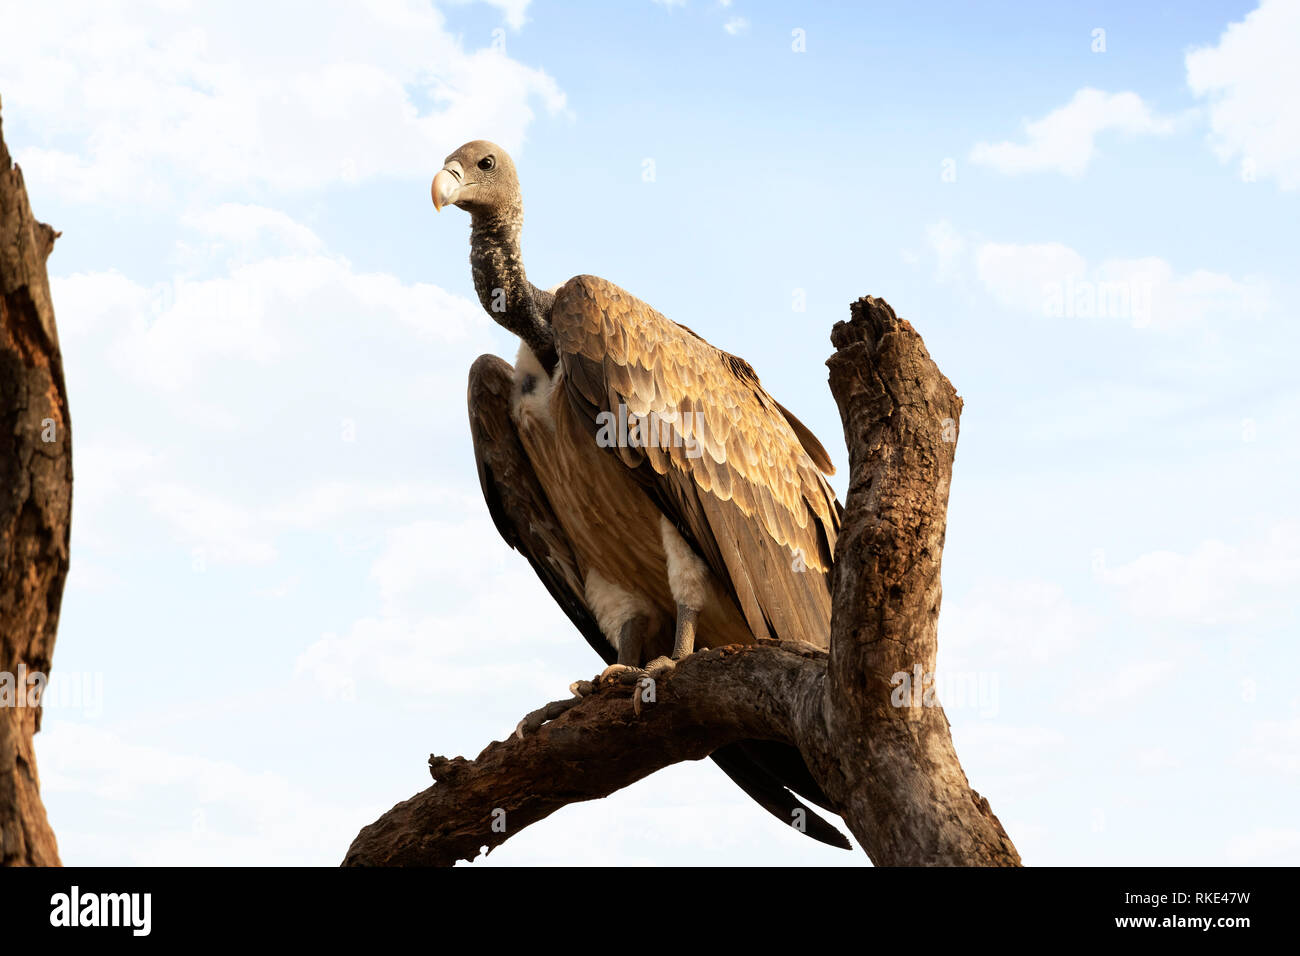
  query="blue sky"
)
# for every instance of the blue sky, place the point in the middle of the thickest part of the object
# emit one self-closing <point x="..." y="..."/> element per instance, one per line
<point x="285" y="589"/>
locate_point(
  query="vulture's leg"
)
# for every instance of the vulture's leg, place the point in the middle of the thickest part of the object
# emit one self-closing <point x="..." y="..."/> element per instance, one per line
<point x="688" y="578"/>
<point x="631" y="642"/>
<point x="683" y="640"/>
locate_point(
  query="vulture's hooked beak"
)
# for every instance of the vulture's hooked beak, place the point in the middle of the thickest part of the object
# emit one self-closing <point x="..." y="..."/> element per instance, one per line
<point x="446" y="184"/>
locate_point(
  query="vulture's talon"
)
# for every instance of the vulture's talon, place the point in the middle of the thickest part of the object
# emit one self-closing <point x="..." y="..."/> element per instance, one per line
<point x="622" y="673"/>
<point x="534" y="720"/>
<point x="639" y="697"/>
<point x="660" y="666"/>
<point x="581" y="688"/>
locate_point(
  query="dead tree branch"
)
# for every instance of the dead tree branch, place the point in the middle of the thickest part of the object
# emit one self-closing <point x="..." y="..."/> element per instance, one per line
<point x="890" y="769"/>
<point x="35" y="508"/>
<point x="593" y="749"/>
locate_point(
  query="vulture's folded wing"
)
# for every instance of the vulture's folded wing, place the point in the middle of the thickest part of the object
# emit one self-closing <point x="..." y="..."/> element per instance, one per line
<point x="741" y="477"/>
<point x="515" y="499"/>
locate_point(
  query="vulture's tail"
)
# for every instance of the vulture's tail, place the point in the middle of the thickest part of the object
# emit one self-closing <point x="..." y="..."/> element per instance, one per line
<point x="767" y="772"/>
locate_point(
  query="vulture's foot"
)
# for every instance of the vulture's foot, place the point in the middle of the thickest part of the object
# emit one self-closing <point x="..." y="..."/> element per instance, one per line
<point x="628" y="674"/>
<point x="642" y="677"/>
<point x="643" y="693"/>
<point x="616" y="673"/>
<point x="620" y="673"/>
<point x="660" y="666"/>
<point x="623" y="673"/>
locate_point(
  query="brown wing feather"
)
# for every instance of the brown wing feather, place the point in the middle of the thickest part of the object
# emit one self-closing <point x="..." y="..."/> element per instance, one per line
<point x="809" y="441"/>
<point x="519" y="506"/>
<point x="739" y="475"/>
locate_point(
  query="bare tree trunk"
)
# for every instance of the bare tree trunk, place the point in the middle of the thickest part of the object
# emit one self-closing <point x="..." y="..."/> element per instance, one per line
<point x="35" y="507"/>
<point x="879" y="748"/>
<point x="892" y="769"/>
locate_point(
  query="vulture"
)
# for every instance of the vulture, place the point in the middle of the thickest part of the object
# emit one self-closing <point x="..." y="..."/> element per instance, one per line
<point x="663" y="497"/>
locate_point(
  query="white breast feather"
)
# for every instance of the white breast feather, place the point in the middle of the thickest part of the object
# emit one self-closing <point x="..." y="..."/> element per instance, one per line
<point x="534" y="405"/>
<point x="688" y="576"/>
<point x="614" y="606"/>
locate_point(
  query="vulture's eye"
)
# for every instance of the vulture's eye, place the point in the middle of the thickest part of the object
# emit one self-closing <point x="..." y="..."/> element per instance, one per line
<point x="486" y="163"/>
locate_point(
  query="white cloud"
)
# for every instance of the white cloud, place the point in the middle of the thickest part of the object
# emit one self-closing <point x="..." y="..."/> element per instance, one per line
<point x="167" y="100"/>
<point x="216" y="529"/>
<point x="459" y="653"/>
<point x="1065" y="139"/>
<point x="174" y="327"/>
<point x="200" y="811"/>
<point x="1266" y="846"/>
<point x="1006" y="745"/>
<point x="1109" y="690"/>
<point x="166" y="335"/>
<point x="1249" y="79"/>
<point x="949" y="248"/>
<point x="1003" y="622"/>
<point x="1275" y="746"/>
<point x="513" y="10"/>
<point x="106" y="467"/>
<point x="257" y="358"/>
<point x="1054" y="281"/>
<point x="89" y="302"/>
<point x="243" y="223"/>
<point x="1100" y="411"/>
<point x="449" y="588"/>
<point x="459" y="553"/>
<point x="222" y="530"/>
<point x="1016" y="274"/>
<point x="1215" y="584"/>
<point x="736" y="25"/>
<point x="1008" y="758"/>
<point x="317" y="506"/>
<point x="1155" y="759"/>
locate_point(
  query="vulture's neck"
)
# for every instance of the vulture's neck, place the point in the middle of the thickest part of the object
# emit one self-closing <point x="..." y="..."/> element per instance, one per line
<point x="503" y="288"/>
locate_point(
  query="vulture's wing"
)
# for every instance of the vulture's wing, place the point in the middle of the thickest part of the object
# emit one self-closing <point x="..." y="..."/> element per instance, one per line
<point x="515" y="499"/>
<point x="524" y="517"/>
<point x="739" y="475"/>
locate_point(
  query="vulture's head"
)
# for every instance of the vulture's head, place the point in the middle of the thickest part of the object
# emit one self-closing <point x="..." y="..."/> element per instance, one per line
<point x="479" y="178"/>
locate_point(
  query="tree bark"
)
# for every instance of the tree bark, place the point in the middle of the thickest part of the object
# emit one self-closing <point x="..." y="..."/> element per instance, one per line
<point x="864" y="716"/>
<point x="35" y="508"/>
